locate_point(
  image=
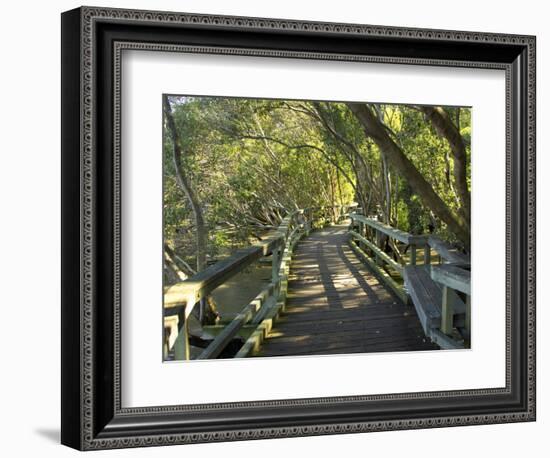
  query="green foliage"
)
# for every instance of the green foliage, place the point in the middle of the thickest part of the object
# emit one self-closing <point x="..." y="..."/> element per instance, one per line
<point x="251" y="161"/>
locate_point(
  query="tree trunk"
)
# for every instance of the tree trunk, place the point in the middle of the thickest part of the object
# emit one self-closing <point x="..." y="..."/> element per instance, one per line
<point x="349" y="150"/>
<point x="387" y="189"/>
<point x="170" y="275"/>
<point x="446" y="129"/>
<point x="183" y="266"/>
<point x="171" y="264"/>
<point x="377" y="132"/>
<point x="185" y="184"/>
<point x="207" y="312"/>
<point x="361" y="194"/>
<point x="339" y="183"/>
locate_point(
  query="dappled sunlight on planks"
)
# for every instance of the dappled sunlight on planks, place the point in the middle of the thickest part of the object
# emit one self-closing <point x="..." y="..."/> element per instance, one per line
<point x="336" y="305"/>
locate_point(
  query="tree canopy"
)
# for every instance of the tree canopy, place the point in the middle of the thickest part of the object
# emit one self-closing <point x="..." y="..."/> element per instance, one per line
<point x="234" y="167"/>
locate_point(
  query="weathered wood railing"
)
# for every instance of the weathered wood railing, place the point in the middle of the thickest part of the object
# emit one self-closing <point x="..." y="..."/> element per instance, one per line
<point x="455" y="279"/>
<point x="440" y="293"/>
<point x="453" y="274"/>
<point x="181" y="299"/>
<point x="367" y="233"/>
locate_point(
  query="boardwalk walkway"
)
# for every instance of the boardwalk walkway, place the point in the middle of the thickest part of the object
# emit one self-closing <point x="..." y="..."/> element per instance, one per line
<point x="336" y="305"/>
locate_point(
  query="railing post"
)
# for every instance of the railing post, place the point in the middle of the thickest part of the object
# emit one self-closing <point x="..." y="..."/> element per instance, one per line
<point x="165" y="344"/>
<point x="427" y="254"/>
<point x="447" y="311"/>
<point x="377" y="237"/>
<point x="190" y="303"/>
<point x="413" y="254"/>
<point x="181" y="347"/>
<point x="275" y="265"/>
<point x="202" y="309"/>
<point x="468" y="312"/>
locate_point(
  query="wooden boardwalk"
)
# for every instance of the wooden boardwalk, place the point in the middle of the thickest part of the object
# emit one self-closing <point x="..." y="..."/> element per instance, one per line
<point x="336" y="305"/>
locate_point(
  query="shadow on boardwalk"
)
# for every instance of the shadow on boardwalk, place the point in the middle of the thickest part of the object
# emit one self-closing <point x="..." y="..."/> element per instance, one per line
<point x="336" y="305"/>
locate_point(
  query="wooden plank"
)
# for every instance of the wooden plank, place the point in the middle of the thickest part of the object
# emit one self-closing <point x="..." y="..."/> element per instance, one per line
<point x="444" y="341"/>
<point x="315" y="290"/>
<point x="252" y="344"/>
<point x="204" y="282"/>
<point x="446" y="311"/>
<point x="426" y="301"/>
<point x="453" y="277"/>
<point x="373" y="313"/>
<point x="210" y="278"/>
<point x="389" y="344"/>
<point x="427" y="298"/>
<point x="291" y="324"/>
<point x="358" y="335"/>
<point x="413" y="254"/>
<point x="215" y="329"/>
<point x="171" y="325"/>
<point x="382" y="274"/>
<point x="378" y="251"/>
<point x="275" y="265"/>
<point x="306" y="327"/>
<point x="384" y="345"/>
<point x="447" y="251"/>
<point x="264" y="319"/>
<point x="189" y="292"/>
<point x="223" y="338"/>
<point x="303" y="305"/>
<point x="467" y="324"/>
<point x="183" y="351"/>
<point x="336" y="306"/>
<point x="392" y="232"/>
<point x="264" y="311"/>
<point x="272" y="308"/>
<point x="427" y="254"/>
<point x="289" y="328"/>
<point x="360" y="313"/>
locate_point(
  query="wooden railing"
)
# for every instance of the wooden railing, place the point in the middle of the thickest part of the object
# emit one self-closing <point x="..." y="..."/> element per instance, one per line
<point x="454" y="279"/>
<point x="367" y="233"/>
<point x="181" y="299"/>
<point x="398" y="272"/>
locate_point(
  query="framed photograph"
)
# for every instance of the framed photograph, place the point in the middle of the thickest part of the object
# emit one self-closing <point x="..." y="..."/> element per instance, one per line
<point x="276" y="228"/>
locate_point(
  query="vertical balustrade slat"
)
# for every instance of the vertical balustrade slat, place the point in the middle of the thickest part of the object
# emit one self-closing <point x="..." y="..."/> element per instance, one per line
<point x="413" y="254"/>
<point x="377" y="239"/>
<point x="468" y="312"/>
<point x="447" y="311"/>
<point x="427" y="254"/>
<point x="275" y="265"/>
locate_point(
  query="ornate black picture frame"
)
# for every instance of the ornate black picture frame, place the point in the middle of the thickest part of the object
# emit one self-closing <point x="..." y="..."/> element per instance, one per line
<point x="92" y="415"/>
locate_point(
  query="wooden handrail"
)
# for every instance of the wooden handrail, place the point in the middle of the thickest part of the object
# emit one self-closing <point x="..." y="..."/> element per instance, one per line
<point x="390" y="231"/>
<point x="447" y="251"/>
<point x="204" y="282"/>
<point x="453" y="277"/>
<point x="387" y="259"/>
<point x="188" y="293"/>
<point x="245" y="315"/>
